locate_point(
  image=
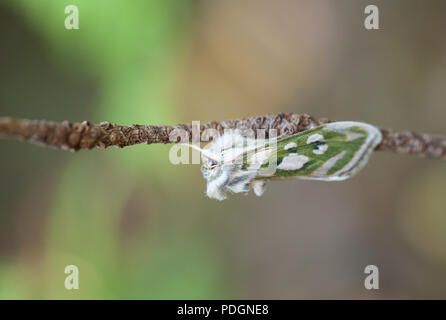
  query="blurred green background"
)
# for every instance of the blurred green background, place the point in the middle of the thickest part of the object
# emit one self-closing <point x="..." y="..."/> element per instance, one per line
<point x="139" y="227"/>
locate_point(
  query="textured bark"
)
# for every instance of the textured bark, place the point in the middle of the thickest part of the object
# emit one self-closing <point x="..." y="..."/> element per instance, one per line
<point x="83" y="135"/>
<point x="413" y="143"/>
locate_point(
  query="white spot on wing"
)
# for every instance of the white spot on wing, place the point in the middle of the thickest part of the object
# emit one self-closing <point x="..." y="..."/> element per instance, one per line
<point x="290" y="145"/>
<point x="318" y="137"/>
<point x="293" y="162"/>
<point x="321" y="149"/>
<point x="315" y="137"/>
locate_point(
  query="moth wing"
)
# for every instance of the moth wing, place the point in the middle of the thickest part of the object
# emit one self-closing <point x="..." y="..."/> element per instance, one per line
<point x="332" y="152"/>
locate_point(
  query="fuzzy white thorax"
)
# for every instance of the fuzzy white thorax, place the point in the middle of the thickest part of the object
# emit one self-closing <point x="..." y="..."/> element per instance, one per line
<point x="223" y="165"/>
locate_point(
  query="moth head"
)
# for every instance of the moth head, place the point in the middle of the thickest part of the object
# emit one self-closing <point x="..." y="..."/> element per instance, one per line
<point x="211" y="161"/>
<point x="210" y="166"/>
<point x="225" y="176"/>
<point x="222" y="166"/>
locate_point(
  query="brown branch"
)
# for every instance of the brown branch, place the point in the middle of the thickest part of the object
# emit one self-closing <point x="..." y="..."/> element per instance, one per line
<point x="413" y="143"/>
<point x="83" y="135"/>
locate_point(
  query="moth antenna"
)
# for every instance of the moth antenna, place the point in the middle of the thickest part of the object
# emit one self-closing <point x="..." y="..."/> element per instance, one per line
<point x="204" y="152"/>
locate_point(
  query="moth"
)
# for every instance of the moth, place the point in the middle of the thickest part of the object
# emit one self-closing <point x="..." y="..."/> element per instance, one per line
<point x="335" y="151"/>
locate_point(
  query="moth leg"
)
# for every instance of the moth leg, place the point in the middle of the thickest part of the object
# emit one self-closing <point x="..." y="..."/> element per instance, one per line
<point x="240" y="183"/>
<point x="216" y="188"/>
<point x="258" y="186"/>
<point x="239" y="187"/>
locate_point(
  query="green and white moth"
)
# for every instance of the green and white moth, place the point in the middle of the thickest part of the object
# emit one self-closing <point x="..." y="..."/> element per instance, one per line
<point x="331" y="152"/>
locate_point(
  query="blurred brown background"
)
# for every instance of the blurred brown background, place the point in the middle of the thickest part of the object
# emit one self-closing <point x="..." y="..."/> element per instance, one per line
<point x="140" y="227"/>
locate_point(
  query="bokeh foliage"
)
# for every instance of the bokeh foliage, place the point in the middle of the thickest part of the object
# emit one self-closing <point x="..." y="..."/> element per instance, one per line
<point x="131" y="50"/>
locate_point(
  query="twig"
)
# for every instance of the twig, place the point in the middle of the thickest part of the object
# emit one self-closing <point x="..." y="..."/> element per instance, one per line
<point x="83" y="135"/>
